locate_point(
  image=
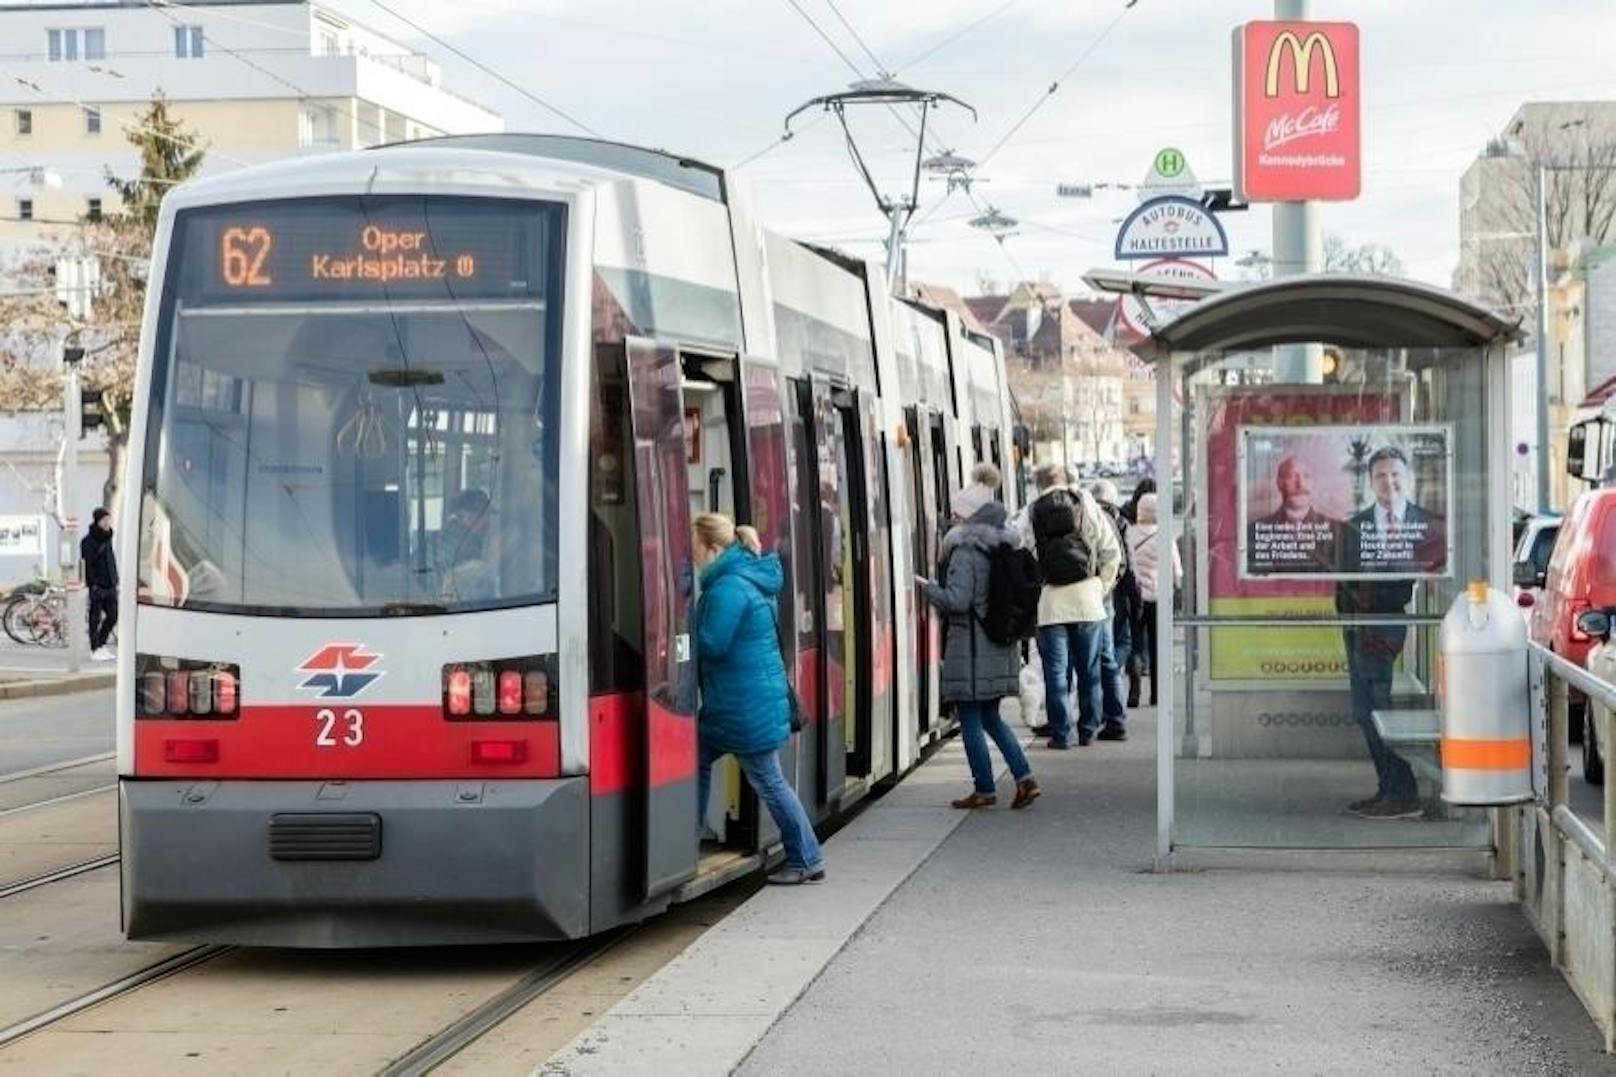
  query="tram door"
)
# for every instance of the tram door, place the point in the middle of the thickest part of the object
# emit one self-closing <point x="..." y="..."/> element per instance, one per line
<point x="668" y="736"/>
<point x="923" y="535"/>
<point x="843" y="583"/>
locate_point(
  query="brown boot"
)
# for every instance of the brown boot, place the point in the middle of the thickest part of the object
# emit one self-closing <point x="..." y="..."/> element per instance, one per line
<point x="1027" y="791"/>
<point x="976" y="800"/>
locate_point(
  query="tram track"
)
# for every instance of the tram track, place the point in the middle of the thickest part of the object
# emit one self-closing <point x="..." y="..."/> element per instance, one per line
<point x="454" y="1038"/>
<point x="52" y="768"/>
<point x="58" y="875"/>
<point x="124" y="985"/>
<point x="61" y="799"/>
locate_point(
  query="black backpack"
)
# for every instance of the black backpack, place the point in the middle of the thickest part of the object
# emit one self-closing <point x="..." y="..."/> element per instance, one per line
<point x="1014" y="585"/>
<point x="1063" y="556"/>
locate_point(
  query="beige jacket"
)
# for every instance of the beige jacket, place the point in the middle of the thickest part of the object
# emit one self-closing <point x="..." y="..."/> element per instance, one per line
<point x="1084" y="600"/>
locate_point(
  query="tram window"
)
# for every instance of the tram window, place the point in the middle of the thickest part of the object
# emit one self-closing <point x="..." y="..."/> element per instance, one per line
<point x="616" y="643"/>
<point x="397" y="462"/>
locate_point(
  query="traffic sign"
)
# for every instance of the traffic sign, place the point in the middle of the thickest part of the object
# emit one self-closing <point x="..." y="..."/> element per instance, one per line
<point x="1132" y="312"/>
<point x="1171" y="227"/>
<point x="1170" y="174"/>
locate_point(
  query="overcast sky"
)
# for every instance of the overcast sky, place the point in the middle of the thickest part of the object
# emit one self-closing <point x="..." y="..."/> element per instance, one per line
<point x="714" y="79"/>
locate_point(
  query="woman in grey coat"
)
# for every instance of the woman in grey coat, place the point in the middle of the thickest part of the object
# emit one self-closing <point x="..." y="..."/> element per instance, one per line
<point x="977" y="672"/>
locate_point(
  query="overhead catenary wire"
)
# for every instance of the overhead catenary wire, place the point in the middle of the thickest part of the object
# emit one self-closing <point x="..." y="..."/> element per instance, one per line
<point x="880" y="68"/>
<point x="974" y="25"/>
<point x="1054" y="86"/>
<point x="489" y="71"/>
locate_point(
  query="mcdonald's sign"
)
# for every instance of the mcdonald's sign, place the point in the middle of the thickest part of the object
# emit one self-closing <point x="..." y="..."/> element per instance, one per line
<point x="1297" y="104"/>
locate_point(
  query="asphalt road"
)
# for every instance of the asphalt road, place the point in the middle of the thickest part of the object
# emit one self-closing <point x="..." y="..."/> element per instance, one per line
<point x="51" y="729"/>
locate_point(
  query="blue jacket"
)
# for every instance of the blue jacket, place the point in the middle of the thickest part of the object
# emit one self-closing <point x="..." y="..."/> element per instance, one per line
<point x="744" y="706"/>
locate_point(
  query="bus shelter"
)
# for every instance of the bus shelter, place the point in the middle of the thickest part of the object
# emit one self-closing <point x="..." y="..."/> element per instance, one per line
<point x="1339" y="451"/>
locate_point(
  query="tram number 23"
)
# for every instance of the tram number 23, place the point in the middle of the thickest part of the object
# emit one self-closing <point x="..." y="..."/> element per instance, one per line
<point x="339" y="730"/>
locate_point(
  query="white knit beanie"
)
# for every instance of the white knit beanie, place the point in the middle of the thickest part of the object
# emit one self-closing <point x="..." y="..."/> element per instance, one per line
<point x="971" y="499"/>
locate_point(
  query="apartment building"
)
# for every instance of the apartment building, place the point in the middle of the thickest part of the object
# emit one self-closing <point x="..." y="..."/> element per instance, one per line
<point x="257" y="79"/>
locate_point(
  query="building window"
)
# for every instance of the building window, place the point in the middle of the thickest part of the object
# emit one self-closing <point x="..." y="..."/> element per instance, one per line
<point x="93" y="209"/>
<point x="188" y="42"/>
<point x="25" y="209"/>
<point x="95" y="43"/>
<point x="328" y="44"/>
<point x="92" y="120"/>
<point x="25" y="121"/>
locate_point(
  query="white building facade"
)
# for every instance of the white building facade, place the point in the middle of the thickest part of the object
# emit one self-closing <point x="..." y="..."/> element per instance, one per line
<point x="257" y="79"/>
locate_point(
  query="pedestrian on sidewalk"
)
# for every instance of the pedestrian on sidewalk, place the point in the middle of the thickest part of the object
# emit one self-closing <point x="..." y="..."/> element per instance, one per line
<point x="1079" y="556"/>
<point x="1130" y="511"/>
<point x="977" y="672"/>
<point x="1122" y="604"/>
<point x="101" y="582"/>
<point x="1142" y="541"/>
<point x="745" y="706"/>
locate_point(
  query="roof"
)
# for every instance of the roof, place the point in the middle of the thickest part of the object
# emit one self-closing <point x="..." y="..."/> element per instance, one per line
<point x="1355" y="311"/>
<point x="1600" y="394"/>
<point x="945" y="298"/>
<point x="986" y="308"/>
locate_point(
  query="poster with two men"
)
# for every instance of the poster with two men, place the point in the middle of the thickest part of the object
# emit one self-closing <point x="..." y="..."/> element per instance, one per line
<point x="1345" y="502"/>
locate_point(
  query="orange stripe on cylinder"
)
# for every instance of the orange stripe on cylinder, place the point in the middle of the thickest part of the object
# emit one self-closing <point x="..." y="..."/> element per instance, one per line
<point x="1514" y="754"/>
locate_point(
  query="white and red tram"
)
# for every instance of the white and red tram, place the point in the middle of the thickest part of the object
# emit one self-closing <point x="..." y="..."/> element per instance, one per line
<point x="419" y="432"/>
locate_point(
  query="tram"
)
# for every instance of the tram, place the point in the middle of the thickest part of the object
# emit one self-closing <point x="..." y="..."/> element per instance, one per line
<point x="419" y="433"/>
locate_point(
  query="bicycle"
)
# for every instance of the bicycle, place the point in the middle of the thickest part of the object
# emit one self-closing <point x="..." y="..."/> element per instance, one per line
<point x="37" y="617"/>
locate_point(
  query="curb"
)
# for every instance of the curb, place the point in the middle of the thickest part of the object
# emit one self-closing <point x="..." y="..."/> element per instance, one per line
<point x="57" y="686"/>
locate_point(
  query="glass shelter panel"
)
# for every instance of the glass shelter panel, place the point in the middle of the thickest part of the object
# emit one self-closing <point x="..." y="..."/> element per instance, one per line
<point x="1324" y="530"/>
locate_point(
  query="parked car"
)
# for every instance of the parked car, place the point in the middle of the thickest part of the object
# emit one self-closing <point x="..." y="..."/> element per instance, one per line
<point x="1534" y="543"/>
<point x="1581" y="578"/>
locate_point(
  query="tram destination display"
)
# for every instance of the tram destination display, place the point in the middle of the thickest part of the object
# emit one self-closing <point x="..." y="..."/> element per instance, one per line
<point x="1335" y="502"/>
<point x="380" y="247"/>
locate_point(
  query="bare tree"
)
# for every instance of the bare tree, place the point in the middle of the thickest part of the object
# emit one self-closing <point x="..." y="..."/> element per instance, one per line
<point x="1579" y="203"/>
<point x="1371" y="258"/>
<point x="36" y="323"/>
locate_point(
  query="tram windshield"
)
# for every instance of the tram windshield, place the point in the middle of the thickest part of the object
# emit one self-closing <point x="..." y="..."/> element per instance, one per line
<point x="354" y="408"/>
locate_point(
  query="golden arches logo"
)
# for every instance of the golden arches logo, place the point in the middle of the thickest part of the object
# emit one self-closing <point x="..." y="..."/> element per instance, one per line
<point x="1301" y="50"/>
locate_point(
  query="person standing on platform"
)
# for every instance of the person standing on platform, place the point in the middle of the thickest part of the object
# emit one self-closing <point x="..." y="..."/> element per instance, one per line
<point x="1142" y="542"/>
<point x="977" y="672"/>
<point x="745" y="698"/>
<point x="1079" y="556"/>
<point x="1122" y="607"/>
<point x="101" y="581"/>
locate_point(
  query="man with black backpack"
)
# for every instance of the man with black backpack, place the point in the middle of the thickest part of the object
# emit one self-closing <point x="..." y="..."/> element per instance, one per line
<point x="1078" y="556"/>
<point x="1124" y="602"/>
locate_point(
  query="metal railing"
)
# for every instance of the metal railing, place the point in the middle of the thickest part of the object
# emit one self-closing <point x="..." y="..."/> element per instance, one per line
<point x="1559" y="676"/>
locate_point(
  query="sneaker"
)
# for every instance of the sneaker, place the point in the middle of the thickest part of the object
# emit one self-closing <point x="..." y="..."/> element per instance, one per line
<point x="1359" y="805"/>
<point x="1085" y="739"/>
<point x="1112" y="732"/>
<point x="796" y="876"/>
<point x="1043" y="729"/>
<point x="101" y="654"/>
<point x="1059" y="745"/>
<point x="1391" y="809"/>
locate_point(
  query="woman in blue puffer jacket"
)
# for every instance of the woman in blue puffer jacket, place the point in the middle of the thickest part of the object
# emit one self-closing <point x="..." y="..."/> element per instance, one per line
<point x="745" y="701"/>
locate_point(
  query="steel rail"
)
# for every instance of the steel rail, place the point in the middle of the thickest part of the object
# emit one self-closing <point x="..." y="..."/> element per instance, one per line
<point x="58" y="800"/>
<point x="52" y="768"/>
<point x="82" y="867"/>
<point x="150" y="974"/>
<point x="456" y="1037"/>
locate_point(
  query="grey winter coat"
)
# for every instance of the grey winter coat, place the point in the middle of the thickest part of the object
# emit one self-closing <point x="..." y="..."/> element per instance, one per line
<point x="974" y="667"/>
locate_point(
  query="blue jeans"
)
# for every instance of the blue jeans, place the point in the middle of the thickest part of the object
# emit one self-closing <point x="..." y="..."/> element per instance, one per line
<point x="979" y="720"/>
<point x="1114" y="650"/>
<point x="762" y="769"/>
<point x="1071" y="651"/>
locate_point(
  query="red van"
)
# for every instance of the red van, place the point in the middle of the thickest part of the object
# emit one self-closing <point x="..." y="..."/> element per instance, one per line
<point x="1581" y="577"/>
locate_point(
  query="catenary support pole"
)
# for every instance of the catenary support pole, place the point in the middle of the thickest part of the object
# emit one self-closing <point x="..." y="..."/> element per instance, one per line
<point x="76" y="609"/>
<point x="1162" y="672"/>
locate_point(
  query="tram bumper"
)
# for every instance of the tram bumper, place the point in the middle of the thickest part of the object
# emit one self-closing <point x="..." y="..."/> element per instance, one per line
<point x="354" y="864"/>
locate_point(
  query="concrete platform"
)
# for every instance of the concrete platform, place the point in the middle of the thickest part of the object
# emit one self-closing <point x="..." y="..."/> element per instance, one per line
<point x="1041" y="942"/>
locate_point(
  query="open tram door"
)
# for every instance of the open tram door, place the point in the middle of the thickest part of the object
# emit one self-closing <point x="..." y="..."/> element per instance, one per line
<point x="688" y="458"/>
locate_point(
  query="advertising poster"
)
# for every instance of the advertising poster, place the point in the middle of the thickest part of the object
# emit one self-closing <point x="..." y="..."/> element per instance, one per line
<point x="1265" y="653"/>
<point x="1333" y="502"/>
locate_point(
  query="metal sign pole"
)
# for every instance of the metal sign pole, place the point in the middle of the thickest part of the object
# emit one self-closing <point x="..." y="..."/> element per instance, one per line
<point x="76" y="612"/>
